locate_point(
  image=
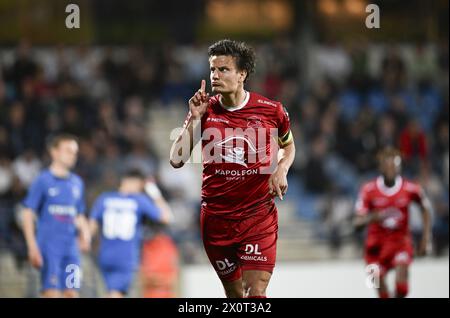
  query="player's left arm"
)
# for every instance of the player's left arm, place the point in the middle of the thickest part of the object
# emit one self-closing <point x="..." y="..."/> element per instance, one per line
<point x="163" y="212"/>
<point x="425" y="208"/>
<point x="82" y="225"/>
<point x="278" y="184"/>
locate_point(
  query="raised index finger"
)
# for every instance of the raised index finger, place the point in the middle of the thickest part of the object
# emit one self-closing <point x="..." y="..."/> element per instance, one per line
<point x="203" y="86"/>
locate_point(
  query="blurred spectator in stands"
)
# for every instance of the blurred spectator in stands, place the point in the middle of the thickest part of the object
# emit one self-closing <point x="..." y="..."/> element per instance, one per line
<point x="316" y="180"/>
<point x="24" y="66"/>
<point x="329" y="123"/>
<point x="3" y="108"/>
<point x="340" y="117"/>
<point x="414" y="149"/>
<point x="440" y="151"/>
<point x="442" y="81"/>
<point x="5" y="148"/>
<point x="108" y="119"/>
<point x="88" y="165"/>
<point x="273" y="82"/>
<point x="73" y="123"/>
<point x="397" y="109"/>
<point x="356" y="141"/>
<point x="332" y="61"/>
<point x="141" y="158"/>
<point x="323" y="92"/>
<point x="193" y="59"/>
<point x="393" y="71"/>
<point x="309" y="118"/>
<point x="134" y="111"/>
<point x="26" y="167"/>
<point x="423" y="62"/>
<point x="18" y="131"/>
<point x="10" y="191"/>
<point x="359" y="75"/>
<point x="386" y="132"/>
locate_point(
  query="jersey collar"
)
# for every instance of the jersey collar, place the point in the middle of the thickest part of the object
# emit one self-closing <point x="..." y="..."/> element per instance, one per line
<point x="240" y="106"/>
<point x="389" y="191"/>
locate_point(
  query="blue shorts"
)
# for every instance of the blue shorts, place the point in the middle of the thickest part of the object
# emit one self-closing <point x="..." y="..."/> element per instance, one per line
<point x="117" y="278"/>
<point x="60" y="270"/>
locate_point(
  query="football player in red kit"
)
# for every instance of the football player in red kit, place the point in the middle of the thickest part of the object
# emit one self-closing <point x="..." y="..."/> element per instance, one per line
<point x="243" y="169"/>
<point x="383" y="205"/>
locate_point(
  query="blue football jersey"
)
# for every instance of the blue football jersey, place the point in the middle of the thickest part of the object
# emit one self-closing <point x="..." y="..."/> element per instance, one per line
<point x="56" y="201"/>
<point x="120" y="217"/>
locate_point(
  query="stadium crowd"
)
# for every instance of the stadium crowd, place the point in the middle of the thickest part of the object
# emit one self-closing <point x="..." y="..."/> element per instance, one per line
<point x="345" y="103"/>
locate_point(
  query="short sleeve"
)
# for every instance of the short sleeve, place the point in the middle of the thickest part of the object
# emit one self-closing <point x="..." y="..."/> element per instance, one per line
<point x="81" y="204"/>
<point x="284" y="127"/>
<point x="362" y="202"/>
<point x="97" y="209"/>
<point x="149" y="209"/>
<point x="35" y="195"/>
<point x="418" y="195"/>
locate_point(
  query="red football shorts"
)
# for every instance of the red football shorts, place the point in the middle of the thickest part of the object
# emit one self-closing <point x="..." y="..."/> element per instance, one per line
<point x="244" y="244"/>
<point x="390" y="253"/>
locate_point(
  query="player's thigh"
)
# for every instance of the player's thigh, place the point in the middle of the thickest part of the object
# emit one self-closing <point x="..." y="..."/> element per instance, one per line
<point x="220" y="247"/>
<point x="71" y="273"/>
<point x="398" y="257"/>
<point x="225" y="262"/>
<point x="257" y="256"/>
<point x="117" y="280"/>
<point x="258" y="247"/>
<point x="50" y="273"/>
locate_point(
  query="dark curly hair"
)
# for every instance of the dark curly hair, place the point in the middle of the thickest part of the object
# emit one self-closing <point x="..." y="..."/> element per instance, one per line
<point x="244" y="54"/>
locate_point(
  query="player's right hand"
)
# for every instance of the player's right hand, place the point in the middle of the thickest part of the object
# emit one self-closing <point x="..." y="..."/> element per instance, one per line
<point x="377" y="216"/>
<point x="199" y="102"/>
<point x="35" y="257"/>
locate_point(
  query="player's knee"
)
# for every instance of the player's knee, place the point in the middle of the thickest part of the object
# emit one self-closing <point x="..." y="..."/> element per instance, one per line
<point x="256" y="287"/>
<point x="233" y="289"/>
<point x="51" y="293"/>
<point x="71" y="294"/>
<point x="402" y="274"/>
<point x="115" y="294"/>
<point x="233" y="292"/>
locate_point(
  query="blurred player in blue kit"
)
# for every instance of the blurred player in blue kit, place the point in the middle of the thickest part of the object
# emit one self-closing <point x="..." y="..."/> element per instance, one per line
<point x="118" y="216"/>
<point x="56" y="201"/>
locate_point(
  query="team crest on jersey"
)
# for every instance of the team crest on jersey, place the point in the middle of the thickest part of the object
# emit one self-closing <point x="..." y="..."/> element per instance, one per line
<point x="53" y="192"/>
<point x="233" y="149"/>
<point x="402" y="201"/>
<point x="76" y="192"/>
<point x="380" y="201"/>
<point x="254" y="122"/>
<point x="392" y="218"/>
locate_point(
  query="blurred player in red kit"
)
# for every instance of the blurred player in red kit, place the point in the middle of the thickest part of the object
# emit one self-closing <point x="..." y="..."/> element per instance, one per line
<point x="239" y="220"/>
<point x="383" y="205"/>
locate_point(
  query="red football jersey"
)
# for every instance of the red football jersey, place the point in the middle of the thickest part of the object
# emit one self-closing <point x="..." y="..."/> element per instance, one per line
<point x="239" y="145"/>
<point x="393" y="202"/>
